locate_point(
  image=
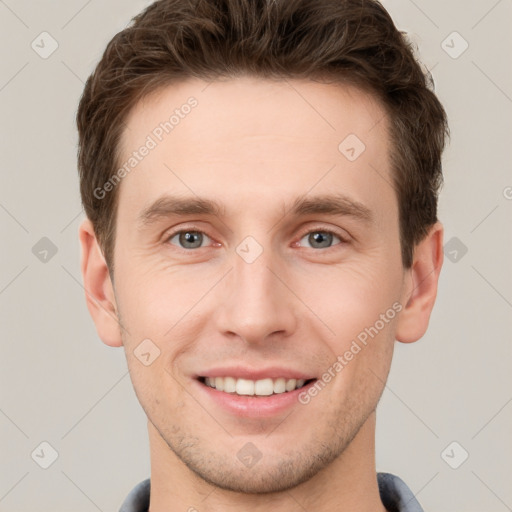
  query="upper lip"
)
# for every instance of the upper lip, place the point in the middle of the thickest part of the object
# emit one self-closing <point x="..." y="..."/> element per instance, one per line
<point x="240" y="372"/>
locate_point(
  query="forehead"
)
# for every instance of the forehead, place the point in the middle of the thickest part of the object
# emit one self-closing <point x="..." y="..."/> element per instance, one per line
<point x="271" y="139"/>
<point x="248" y="106"/>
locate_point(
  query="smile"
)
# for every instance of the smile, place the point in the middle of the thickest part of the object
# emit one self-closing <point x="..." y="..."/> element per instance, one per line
<point x="247" y="387"/>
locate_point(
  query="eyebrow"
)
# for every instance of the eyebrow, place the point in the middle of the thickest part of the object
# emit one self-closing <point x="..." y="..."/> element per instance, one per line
<point x="168" y="206"/>
<point x="327" y="204"/>
<point x="332" y="204"/>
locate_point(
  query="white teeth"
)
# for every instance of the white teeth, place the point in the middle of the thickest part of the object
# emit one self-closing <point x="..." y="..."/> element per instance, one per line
<point x="229" y="384"/>
<point x="279" y="386"/>
<point x="219" y="383"/>
<point x="244" y="387"/>
<point x="262" y="387"/>
<point x="290" y="384"/>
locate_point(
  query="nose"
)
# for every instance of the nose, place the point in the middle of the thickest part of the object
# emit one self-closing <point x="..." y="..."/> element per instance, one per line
<point x="255" y="303"/>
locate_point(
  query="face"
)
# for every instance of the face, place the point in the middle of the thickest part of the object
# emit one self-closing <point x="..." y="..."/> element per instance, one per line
<point x="257" y="247"/>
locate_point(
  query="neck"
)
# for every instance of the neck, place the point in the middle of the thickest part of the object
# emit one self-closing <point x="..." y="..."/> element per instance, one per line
<point x="349" y="483"/>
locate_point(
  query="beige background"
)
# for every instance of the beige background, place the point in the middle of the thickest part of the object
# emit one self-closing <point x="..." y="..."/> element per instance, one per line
<point x="61" y="385"/>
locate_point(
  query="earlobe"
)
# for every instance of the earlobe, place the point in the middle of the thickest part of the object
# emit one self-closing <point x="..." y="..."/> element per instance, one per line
<point x="420" y="286"/>
<point x="99" y="292"/>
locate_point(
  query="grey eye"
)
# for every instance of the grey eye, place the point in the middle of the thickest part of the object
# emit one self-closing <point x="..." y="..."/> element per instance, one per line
<point x="320" y="239"/>
<point x="189" y="239"/>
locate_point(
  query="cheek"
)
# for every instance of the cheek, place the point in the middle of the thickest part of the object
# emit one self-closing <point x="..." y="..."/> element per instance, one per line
<point x="363" y="360"/>
<point x="155" y="389"/>
<point x="156" y="296"/>
<point x="159" y="311"/>
<point x="349" y="298"/>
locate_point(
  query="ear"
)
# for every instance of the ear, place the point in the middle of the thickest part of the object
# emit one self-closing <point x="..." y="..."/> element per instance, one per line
<point x="99" y="292"/>
<point x="420" y="286"/>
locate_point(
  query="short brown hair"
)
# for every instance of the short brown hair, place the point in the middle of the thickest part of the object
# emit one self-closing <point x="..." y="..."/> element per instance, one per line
<point x="347" y="41"/>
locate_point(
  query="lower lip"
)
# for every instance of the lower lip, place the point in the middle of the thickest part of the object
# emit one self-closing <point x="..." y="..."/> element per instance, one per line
<point x="254" y="406"/>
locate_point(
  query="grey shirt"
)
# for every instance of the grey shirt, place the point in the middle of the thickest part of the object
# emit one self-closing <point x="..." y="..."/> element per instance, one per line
<point x="394" y="494"/>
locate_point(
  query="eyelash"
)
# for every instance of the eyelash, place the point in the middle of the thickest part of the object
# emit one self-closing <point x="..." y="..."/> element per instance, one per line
<point x="192" y="229"/>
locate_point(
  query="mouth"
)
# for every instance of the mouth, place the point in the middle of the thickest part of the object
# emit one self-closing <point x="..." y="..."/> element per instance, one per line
<point x="256" y="388"/>
<point x="249" y="393"/>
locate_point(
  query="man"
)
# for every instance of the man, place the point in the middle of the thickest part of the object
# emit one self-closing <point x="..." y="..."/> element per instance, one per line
<point x="260" y="181"/>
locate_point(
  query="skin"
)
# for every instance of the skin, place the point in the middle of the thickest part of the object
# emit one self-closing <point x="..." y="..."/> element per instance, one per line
<point x="255" y="146"/>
